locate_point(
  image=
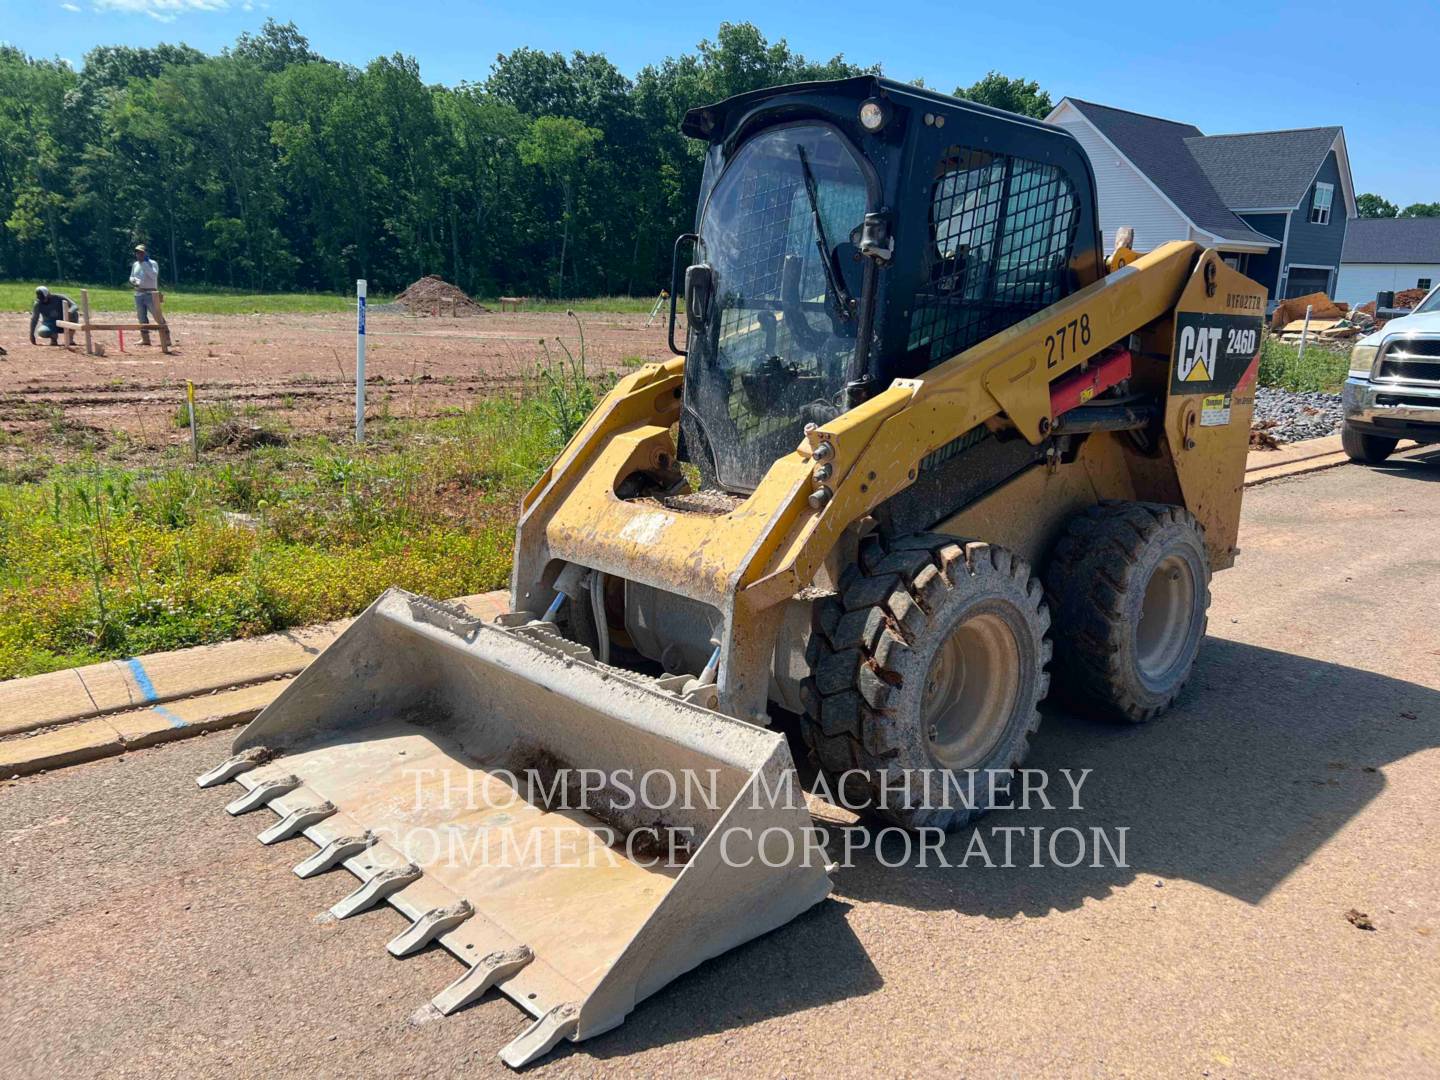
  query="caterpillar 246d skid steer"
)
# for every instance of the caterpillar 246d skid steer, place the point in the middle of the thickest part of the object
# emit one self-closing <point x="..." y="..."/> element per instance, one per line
<point x="923" y="452"/>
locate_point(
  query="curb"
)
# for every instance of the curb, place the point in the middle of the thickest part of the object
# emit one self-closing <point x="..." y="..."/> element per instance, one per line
<point x="1308" y="456"/>
<point x="81" y="714"/>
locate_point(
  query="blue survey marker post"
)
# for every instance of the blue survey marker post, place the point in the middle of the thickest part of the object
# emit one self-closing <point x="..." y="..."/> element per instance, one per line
<point x="360" y="360"/>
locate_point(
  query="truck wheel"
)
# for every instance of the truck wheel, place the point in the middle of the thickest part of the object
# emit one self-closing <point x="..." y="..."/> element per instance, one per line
<point x="1366" y="449"/>
<point x="928" y="664"/>
<point x="1129" y="586"/>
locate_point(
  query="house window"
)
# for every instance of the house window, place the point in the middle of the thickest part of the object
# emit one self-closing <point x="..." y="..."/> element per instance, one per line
<point x="1320" y="205"/>
<point x="1423" y="283"/>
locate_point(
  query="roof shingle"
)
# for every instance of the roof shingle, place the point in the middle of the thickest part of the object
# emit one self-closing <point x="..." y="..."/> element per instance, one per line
<point x="1158" y="148"/>
<point x="1263" y="169"/>
<point x="1392" y="240"/>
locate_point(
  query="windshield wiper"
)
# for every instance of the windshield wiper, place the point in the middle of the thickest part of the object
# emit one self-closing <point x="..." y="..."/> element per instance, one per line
<point x="822" y="244"/>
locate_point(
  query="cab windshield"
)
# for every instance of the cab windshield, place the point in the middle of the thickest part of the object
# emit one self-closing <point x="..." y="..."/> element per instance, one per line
<point x="780" y="231"/>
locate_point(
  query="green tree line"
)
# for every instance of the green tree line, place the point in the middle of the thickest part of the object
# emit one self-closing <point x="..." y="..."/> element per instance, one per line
<point x="268" y="167"/>
<point x="1377" y="206"/>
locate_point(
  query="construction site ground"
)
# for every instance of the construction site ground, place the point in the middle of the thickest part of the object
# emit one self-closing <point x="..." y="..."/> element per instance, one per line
<point x="1290" y="800"/>
<point x="297" y="369"/>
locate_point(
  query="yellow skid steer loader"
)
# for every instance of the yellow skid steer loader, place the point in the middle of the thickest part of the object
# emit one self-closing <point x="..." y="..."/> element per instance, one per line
<point x="922" y="449"/>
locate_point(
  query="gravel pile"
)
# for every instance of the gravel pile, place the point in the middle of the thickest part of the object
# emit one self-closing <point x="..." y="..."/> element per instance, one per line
<point x="1289" y="416"/>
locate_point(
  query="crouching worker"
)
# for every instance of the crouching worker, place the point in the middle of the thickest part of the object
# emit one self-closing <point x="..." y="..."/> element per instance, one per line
<point x="52" y="308"/>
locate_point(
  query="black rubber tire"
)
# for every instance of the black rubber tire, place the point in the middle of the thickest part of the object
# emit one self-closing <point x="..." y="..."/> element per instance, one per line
<point x="1096" y="584"/>
<point x="1364" y="448"/>
<point x="869" y="656"/>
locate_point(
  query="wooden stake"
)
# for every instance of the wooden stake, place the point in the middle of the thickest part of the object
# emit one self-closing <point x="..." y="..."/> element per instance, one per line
<point x="194" y="437"/>
<point x="164" y="327"/>
<point x="85" y="318"/>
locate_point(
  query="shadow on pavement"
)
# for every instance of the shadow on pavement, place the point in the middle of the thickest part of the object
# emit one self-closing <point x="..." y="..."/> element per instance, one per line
<point x="813" y="960"/>
<point x="1415" y="465"/>
<point x="1265" y="757"/>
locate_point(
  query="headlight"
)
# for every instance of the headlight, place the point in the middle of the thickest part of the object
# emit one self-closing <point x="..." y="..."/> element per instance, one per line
<point x="1362" y="359"/>
<point x="873" y="115"/>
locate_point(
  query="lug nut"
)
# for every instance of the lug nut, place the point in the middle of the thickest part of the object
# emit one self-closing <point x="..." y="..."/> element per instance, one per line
<point x="823" y="472"/>
<point x="819" y="498"/>
<point x="823" y="451"/>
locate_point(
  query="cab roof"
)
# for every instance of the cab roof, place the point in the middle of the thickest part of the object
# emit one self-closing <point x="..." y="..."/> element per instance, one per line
<point x="705" y="121"/>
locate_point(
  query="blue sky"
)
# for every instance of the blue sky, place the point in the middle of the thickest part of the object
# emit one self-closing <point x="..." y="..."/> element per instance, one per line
<point x="1224" y="66"/>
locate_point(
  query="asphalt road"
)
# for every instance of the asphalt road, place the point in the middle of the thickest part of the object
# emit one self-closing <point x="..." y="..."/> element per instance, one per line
<point x="145" y="933"/>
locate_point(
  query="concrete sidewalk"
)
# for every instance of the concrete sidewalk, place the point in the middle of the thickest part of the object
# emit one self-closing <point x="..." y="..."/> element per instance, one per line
<point x="80" y="714"/>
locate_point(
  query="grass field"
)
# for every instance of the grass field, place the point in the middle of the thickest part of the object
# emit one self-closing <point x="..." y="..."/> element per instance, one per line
<point x="20" y="295"/>
<point x="626" y="304"/>
<point x="1322" y="368"/>
<point x="101" y="561"/>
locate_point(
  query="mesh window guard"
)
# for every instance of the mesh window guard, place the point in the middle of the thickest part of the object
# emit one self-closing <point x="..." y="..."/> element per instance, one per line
<point x="1002" y="229"/>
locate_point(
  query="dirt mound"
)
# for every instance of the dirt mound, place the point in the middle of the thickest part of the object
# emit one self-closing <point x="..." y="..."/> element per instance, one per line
<point x="424" y="297"/>
<point x="1408" y="298"/>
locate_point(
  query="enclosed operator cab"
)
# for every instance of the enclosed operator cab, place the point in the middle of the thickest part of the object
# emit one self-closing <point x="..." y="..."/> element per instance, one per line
<point x="797" y="308"/>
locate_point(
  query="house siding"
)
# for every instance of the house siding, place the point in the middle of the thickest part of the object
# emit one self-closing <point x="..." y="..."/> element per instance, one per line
<point x="1318" y="245"/>
<point x="1359" y="282"/>
<point x="1266" y="268"/>
<point x="1125" y="197"/>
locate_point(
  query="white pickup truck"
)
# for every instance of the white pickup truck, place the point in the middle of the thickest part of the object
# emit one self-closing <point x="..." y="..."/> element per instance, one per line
<point x="1393" y="389"/>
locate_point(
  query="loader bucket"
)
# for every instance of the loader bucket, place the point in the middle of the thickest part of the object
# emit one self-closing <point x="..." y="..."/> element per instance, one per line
<point x="475" y="777"/>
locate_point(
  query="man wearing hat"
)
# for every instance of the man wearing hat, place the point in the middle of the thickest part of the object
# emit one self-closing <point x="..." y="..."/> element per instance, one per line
<point x="145" y="277"/>
<point x="50" y="309"/>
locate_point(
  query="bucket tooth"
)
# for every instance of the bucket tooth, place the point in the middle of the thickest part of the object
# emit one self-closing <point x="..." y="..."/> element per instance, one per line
<point x="487" y="972"/>
<point x="540" y="1037"/>
<point x="429" y="926"/>
<point x="375" y="890"/>
<point x="233" y="767"/>
<point x="336" y="851"/>
<point x="295" y="821"/>
<point x="262" y="793"/>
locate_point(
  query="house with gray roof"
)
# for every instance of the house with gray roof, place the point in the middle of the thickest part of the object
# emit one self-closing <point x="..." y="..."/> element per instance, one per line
<point x="1388" y="255"/>
<point x="1276" y="203"/>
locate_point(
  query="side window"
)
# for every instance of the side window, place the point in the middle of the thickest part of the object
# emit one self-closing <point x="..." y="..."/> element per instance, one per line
<point x="1001" y="229"/>
<point x="1423" y="283"/>
<point x="1320" y="204"/>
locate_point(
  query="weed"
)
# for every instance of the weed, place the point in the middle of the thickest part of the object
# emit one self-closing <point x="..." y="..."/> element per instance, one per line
<point x="567" y="393"/>
<point x="1322" y="368"/>
<point x="98" y="561"/>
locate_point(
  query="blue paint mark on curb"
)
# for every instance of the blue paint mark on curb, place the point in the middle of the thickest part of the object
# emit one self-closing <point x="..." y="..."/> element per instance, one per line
<point x="170" y="717"/>
<point x="142" y="680"/>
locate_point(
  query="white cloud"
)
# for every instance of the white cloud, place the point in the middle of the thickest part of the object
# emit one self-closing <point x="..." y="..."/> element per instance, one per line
<point x="71" y="7"/>
<point x="162" y="10"/>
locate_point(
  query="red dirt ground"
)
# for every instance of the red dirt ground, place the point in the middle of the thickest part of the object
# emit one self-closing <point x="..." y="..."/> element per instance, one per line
<point x="301" y="365"/>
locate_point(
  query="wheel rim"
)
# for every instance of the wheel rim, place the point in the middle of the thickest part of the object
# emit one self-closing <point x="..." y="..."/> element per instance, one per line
<point x="1163" y="633"/>
<point x="970" y="691"/>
